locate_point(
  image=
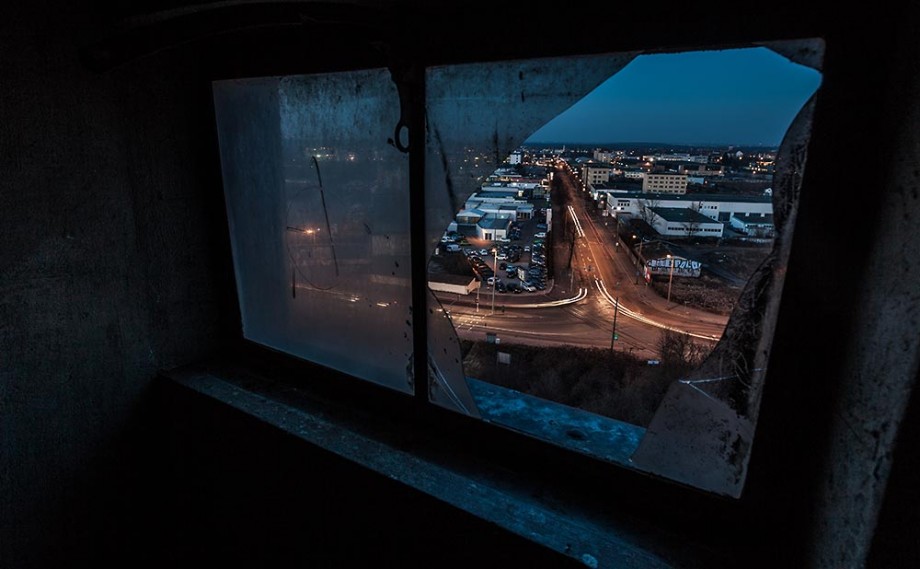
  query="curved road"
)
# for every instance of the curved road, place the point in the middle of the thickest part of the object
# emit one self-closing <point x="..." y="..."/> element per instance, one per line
<point x="579" y="308"/>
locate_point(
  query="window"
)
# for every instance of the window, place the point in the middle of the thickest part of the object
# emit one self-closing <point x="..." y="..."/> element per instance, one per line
<point x="318" y="195"/>
<point x="319" y="219"/>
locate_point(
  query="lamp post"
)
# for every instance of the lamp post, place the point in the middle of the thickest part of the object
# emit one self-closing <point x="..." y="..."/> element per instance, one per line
<point x="638" y="259"/>
<point x="671" y="276"/>
<point x="478" y="288"/>
<point x="495" y="278"/>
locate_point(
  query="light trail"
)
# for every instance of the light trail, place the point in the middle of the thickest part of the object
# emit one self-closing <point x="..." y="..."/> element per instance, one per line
<point x="644" y="319"/>
<point x="582" y="293"/>
<point x="578" y="228"/>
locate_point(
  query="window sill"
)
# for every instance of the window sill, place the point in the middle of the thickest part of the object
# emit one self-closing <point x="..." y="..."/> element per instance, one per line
<point x="526" y="502"/>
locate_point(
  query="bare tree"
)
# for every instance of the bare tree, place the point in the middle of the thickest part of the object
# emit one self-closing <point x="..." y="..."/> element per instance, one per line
<point x="679" y="352"/>
<point x="693" y="223"/>
<point x="645" y="210"/>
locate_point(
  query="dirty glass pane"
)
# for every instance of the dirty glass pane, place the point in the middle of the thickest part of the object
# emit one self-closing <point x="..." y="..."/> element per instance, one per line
<point x="477" y="114"/>
<point x="317" y="202"/>
<point x="541" y="166"/>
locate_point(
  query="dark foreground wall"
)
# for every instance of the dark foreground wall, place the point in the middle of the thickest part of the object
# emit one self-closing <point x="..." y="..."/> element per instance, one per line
<point x="107" y="274"/>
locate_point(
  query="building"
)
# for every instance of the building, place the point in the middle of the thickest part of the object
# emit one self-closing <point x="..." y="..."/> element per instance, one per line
<point x="453" y="284"/>
<point x="755" y="225"/>
<point x="715" y="206"/>
<point x="500" y="205"/>
<point x="684" y="222"/>
<point x="664" y="183"/>
<point x="701" y="170"/>
<point x="493" y="228"/>
<point x="469" y="216"/>
<point x="595" y="173"/>
<point x="606" y="156"/>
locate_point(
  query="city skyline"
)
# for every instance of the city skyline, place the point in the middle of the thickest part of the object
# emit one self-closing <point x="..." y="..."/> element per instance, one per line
<point x="740" y="97"/>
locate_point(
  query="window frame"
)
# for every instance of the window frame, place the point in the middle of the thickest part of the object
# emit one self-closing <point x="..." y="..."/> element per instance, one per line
<point x="683" y="503"/>
<point x="779" y="417"/>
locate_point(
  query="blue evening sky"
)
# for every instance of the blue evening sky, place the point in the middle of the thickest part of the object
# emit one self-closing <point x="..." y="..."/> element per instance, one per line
<point x="743" y="97"/>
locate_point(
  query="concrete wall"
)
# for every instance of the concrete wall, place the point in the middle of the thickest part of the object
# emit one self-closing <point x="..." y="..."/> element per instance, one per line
<point x="107" y="273"/>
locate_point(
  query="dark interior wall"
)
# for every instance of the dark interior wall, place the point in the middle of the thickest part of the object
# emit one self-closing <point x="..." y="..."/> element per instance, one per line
<point x="107" y="274"/>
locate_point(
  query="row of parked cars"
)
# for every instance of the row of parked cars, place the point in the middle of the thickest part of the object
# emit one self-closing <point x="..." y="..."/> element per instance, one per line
<point x="522" y="278"/>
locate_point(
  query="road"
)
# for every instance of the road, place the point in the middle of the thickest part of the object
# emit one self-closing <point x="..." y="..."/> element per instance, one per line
<point x="579" y="307"/>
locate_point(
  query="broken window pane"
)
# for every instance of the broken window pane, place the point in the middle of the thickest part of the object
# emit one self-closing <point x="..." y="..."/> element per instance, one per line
<point x="317" y="202"/>
<point x="477" y="114"/>
<point x="612" y="296"/>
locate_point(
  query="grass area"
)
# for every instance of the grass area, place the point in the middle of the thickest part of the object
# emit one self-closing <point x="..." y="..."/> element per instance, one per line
<point x="710" y="293"/>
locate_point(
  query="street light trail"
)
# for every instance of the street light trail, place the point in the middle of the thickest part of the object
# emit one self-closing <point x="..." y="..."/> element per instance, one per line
<point x="644" y="319"/>
<point x="578" y="228"/>
<point x="582" y="293"/>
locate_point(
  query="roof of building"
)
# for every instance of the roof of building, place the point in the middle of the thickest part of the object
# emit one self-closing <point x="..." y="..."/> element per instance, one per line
<point x="450" y="278"/>
<point x="494" y="222"/>
<point x="682" y="214"/>
<point x="467" y="229"/>
<point x="754" y="218"/>
<point x="694" y="197"/>
<point x="504" y="192"/>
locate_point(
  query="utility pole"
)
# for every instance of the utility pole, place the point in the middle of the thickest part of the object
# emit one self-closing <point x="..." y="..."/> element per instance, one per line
<point x="638" y="259"/>
<point x="478" y="288"/>
<point x="670" y="277"/>
<point x="613" y="334"/>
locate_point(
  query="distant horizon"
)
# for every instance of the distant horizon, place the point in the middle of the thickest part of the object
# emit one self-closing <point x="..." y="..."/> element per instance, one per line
<point x="681" y="145"/>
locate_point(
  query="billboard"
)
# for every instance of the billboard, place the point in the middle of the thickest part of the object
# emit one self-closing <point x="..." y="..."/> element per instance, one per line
<point x="682" y="267"/>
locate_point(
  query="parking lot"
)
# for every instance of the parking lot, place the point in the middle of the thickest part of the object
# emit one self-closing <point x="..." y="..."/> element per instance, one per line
<point x="513" y="265"/>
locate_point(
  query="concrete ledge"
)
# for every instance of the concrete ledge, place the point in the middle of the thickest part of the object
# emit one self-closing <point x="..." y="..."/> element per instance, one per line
<point x="515" y="501"/>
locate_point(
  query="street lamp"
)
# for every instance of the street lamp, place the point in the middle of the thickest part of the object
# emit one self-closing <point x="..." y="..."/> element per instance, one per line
<point x="312" y="234"/>
<point x="671" y="276"/>
<point x="638" y="258"/>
